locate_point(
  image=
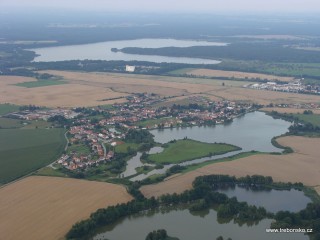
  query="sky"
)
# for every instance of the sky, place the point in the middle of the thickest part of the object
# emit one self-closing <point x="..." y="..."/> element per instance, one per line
<point x="184" y="6"/>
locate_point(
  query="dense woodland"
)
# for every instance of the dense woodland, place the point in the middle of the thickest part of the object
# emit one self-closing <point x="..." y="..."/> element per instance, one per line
<point x="267" y="52"/>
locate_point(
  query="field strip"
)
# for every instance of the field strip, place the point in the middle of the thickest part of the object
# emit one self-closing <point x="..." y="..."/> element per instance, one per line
<point x="46" y="207"/>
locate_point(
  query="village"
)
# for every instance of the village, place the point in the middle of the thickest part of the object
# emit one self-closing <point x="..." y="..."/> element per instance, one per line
<point x="293" y="87"/>
<point x="93" y="133"/>
<point x="100" y="131"/>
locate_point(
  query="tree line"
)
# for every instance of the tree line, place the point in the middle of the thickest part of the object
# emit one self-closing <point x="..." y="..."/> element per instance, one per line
<point x="202" y="196"/>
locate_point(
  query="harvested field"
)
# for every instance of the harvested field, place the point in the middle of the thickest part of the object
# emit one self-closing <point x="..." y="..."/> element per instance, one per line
<point x="98" y="86"/>
<point x="129" y="83"/>
<point x="67" y="95"/>
<point x="301" y="166"/>
<point x="263" y="97"/>
<point x="235" y="74"/>
<point x="290" y="110"/>
<point x="46" y="207"/>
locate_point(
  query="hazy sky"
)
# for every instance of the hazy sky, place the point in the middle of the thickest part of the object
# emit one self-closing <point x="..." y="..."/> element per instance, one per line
<point x="173" y="5"/>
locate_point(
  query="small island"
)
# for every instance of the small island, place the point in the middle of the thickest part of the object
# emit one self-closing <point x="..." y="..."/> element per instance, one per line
<point x="178" y="151"/>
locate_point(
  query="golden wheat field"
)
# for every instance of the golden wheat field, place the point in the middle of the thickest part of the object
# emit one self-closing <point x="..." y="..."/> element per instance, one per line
<point x="236" y="74"/>
<point x="66" y="95"/>
<point x="38" y="208"/>
<point x="108" y="88"/>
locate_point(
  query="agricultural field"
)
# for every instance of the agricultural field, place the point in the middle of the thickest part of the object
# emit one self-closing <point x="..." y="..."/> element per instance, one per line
<point x="262" y="96"/>
<point x="25" y="150"/>
<point x="294" y="69"/>
<point x="41" y="83"/>
<point x="232" y="74"/>
<point x="181" y="87"/>
<point x="65" y="95"/>
<point x="289" y="110"/>
<point x="7" y="108"/>
<point x="7" y="123"/>
<point x="10" y="123"/>
<point x="40" y="208"/>
<point x="301" y="166"/>
<point x="185" y="150"/>
<point x="314" y="119"/>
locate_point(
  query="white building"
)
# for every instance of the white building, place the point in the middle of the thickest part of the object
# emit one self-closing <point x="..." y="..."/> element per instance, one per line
<point x="130" y="68"/>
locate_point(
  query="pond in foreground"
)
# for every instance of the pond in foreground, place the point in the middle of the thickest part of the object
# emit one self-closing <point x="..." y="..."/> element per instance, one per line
<point x="184" y="225"/>
<point x="272" y="200"/>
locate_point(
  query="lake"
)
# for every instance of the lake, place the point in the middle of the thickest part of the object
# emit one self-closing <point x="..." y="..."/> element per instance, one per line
<point x="252" y="131"/>
<point x="183" y="224"/>
<point x="102" y="51"/>
<point x="272" y="200"/>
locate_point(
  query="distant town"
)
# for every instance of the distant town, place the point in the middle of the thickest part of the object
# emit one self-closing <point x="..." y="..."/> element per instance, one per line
<point x="293" y="87"/>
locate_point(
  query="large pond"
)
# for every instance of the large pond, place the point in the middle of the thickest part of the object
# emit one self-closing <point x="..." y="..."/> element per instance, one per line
<point x="272" y="200"/>
<point x="253" y="131"/>
<point x="183" y="224"/>
<point x="102" y="51"/>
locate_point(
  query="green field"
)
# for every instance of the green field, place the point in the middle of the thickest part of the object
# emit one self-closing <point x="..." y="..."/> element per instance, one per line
<point x="122" y="148"/>
<point x="25" y="150"/>
<point x="7" y="108"/>
<point x="41" y="83"/>
<point x="49" y="171"/>
<point x="10" y="123"/>
<point x="314" y="119"/>
<point x="186" y="150"/>
<point x="181" y="71"/>
<point x="152" y="122"/>
<point x="7" y="123"/>
<point x="79" y="149"/>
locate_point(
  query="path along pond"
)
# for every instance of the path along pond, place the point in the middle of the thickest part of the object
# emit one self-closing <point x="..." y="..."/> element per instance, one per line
<point x="251" y="132"/>
<point x="102" y="51"/>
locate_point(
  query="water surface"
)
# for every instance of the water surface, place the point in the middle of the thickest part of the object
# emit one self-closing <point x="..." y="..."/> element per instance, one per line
<point x="252" y="132"/>
<point x="272" y="200"/>
<point x="102" y="51"/>
<point x="190" y="226"/>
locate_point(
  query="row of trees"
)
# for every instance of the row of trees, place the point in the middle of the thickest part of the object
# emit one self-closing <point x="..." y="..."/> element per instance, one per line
<point x="202" y="196"/>
<point x="139" y="136"/>
<point x="299" y="126"/>
<point x="308" y="218"/>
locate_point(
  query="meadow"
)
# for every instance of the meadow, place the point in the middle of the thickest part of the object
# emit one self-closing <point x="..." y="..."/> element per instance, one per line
<point x="7" y="108"/>
<point x="314" y="119"/>
<point x="40" y="83"/>
<point x="23" y="151"/>
<point x="186" y="149"/>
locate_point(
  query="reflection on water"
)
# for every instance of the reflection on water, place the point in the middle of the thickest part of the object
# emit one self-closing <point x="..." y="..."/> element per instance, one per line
<point x="179" y="222"/>
<point x="272" y="200"/>
<point x="253" y="131"/>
